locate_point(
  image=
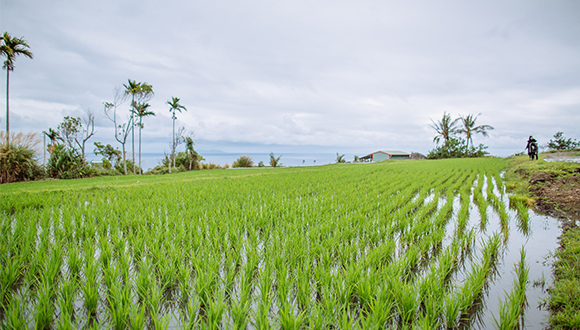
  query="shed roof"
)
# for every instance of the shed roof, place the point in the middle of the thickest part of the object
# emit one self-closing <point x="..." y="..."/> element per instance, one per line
<point x="388" y="152"/>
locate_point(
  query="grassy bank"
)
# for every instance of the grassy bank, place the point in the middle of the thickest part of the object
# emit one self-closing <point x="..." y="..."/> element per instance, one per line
<point x="553" y="188"/>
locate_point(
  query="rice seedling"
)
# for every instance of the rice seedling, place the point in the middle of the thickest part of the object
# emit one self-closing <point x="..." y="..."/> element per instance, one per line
<point x="276" y="249"/>
<point x="137" y="319"/>
<point x="14" y="313"/>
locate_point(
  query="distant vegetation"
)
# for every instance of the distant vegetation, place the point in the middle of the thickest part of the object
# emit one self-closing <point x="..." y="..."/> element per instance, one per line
<point x="453" y="146"/>
<point x="243" y="161"/>
<point x="559" y="142"/>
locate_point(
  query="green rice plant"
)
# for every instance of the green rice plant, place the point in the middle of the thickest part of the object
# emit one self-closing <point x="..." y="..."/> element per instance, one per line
<point x="65" y="321"/>
<point x="452" y="310"/>
<point x="44" y="313"/>
<point x="160" y="322"/>
<point x="10" y="272"/>
<point x="261" y="318"/>
<point x="239" y="311"/>
<point x="90" y="290"/>
<point x="289" y="319"/>
<point x="66" y="298"/>
<point x="215" y="311"/>
<point x="142" y="280"/>
<point x="406" y="302"/>
<point x="137" y="320"/>
<point x="74" y="262"/>
<point x="119" y="306"/>
<point x="511" y="309"/>
<point x="14" y="313"/>
<point x="184" y="280"/>
<point x="155" y="300"/>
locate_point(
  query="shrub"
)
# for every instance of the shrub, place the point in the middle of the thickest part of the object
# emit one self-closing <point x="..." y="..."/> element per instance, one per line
<point x="66" y="163"/>
<point x="456" y="148"/>
<point x="18" y="162"/>
<point x="243" y="161"/>
<point x="210" y="166"/>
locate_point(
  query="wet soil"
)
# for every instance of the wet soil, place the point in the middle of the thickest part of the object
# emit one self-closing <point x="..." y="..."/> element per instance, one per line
<point x="559" y="197"/>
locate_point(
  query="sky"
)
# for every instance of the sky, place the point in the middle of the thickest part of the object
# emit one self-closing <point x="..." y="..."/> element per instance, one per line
<point x="298" y="76"/>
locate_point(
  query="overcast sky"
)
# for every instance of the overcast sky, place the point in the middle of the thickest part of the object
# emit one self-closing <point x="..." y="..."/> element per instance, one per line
<point x="314" y="76"/>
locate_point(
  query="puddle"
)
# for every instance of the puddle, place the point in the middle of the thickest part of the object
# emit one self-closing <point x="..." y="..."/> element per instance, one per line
<point x="564" y="159"/>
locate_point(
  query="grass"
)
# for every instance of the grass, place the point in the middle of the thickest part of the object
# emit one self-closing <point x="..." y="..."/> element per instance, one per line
<point x="564" y="294"/>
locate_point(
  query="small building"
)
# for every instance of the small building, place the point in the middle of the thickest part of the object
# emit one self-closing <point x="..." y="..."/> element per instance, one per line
<point x="379" y="156"/>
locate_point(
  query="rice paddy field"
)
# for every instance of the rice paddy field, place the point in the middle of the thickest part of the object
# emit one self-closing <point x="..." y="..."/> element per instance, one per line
<point x="392" y="245"/>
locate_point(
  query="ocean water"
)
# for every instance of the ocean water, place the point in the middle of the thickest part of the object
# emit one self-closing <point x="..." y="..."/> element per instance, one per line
<point x="150" y="160"/>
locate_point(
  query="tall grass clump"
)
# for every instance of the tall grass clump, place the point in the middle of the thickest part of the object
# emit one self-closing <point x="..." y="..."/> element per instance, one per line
<point x="243" y="161"/>
<point x="18" y="160"/>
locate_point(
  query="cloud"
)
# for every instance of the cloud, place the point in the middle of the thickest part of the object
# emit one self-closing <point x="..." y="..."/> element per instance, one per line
<point x="328" y="74"/>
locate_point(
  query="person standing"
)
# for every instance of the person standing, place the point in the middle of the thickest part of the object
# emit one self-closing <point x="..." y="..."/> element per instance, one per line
<point x="532" y="147"/>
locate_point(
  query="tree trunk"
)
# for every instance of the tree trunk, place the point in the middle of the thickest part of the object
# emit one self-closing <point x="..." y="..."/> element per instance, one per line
<point x="140" y="128"/>
<point x="7" y="108"/>
<point x="124" y="161"/>
<point x="133" y="146"/>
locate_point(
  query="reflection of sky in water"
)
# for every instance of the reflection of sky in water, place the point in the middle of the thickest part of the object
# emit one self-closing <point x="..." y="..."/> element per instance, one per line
<point x="539" y="244"/>
<point x="568" y="159"/>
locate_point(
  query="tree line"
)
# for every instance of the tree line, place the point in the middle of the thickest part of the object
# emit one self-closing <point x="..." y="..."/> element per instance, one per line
<point x="68" y="141"/>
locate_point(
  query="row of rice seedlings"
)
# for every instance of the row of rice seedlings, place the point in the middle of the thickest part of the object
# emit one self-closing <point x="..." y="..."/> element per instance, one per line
<point x="480" y="200"/>
<point x="522" y="214"/>
<point x="511" y="309"/>
<point x="358" y="243"/>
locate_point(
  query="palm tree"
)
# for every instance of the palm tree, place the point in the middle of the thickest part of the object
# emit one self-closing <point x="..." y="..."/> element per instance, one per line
<point x="174" y="106"/>
<point x="140" y="110"/>
<point x="140" y="92"/>
<point x="11" y="48"/>
<point x="469" y="128"/>
<point x="445" y="128"/>
<point x="339" y="158"/>
<point x="274" y="162"/>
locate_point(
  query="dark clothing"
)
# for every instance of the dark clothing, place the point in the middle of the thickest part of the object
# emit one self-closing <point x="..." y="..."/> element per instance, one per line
<point x="532" y="147"/>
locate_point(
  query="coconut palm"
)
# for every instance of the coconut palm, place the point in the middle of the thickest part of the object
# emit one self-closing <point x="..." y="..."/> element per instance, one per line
<point x="174" y="106"/>
<point x="140" y="92"/>
<point x="445" y="128"/>
<point x="141" y="110"/>
<point x="469" y="128"/>
<point x="11" y="48"/>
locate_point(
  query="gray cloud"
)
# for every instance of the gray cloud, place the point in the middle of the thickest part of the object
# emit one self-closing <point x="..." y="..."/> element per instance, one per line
<point x="358" y="76"/>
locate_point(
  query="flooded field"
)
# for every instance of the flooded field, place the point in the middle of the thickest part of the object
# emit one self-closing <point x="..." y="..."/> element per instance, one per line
<point x="391" y="245"/>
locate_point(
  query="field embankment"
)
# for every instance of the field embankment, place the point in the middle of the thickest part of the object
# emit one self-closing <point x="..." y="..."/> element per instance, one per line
<point x="555" y="189"/>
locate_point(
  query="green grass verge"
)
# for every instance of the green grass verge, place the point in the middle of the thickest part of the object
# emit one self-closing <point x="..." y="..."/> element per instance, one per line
<point x="564" y="295"/>
<point x="522" y="169"/>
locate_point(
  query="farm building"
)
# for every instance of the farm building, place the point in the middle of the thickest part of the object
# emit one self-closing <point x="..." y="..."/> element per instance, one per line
<point x="379" y="156"/>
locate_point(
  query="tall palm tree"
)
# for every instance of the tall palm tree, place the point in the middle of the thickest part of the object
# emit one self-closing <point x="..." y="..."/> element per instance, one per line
<point x="140" y="92"/>
<point x="469" y="128"/>
<point x="174" y="106"/>
<point x="445" y="128"/>
<point x="141" y="110"/>
<point x="11" y="48"/>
